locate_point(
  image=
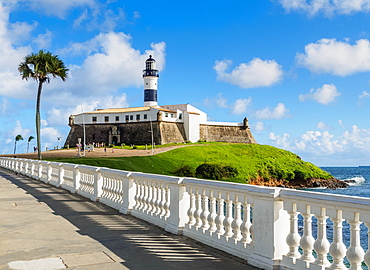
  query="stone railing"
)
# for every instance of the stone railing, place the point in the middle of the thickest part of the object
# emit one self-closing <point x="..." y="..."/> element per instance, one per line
<point x="271" y="228"/>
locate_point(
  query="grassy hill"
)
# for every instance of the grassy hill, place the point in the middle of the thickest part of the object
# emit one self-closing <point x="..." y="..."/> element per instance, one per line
<point x="252" y="161"/>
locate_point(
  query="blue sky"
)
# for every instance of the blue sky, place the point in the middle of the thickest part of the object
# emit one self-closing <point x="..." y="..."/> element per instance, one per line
<point x="298" y="69"/>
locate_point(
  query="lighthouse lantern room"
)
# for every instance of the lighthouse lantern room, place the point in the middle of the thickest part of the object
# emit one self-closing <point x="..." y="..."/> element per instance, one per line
<point x="150" y="75"/>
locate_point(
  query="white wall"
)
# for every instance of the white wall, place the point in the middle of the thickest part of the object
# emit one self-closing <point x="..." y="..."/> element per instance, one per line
<point x="87" y="117"/>
<point x="192" y="126"/>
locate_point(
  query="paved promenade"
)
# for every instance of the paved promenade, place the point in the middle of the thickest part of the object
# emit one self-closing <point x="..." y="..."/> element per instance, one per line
<point x="43" y="227"/>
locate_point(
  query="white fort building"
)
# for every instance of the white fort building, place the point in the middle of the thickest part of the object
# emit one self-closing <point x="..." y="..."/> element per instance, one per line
<point x="169" y="123"/>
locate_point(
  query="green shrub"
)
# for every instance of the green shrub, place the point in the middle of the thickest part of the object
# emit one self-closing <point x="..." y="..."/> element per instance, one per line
<point x="215" y="171"/>
<point x="202" y="140"/>
<point x="299" y="175"/>
<point x="209" y="171"/>
<point x="185" y="171"/>
<point x="229" y="172"/>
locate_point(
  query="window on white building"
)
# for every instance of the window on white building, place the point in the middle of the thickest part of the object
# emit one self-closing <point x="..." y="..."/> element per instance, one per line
<point x="117" y="118"/>
<point x="106" y="118"/>
<point x="138" y="117"/>
<point x="145" y="116"/>
<point x="131" y="117"/>
<point x="127" y="118"/>
<point x="94" y="119"/>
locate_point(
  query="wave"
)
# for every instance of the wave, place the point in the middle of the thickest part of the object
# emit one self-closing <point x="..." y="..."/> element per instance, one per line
<point x="355" y="180"/>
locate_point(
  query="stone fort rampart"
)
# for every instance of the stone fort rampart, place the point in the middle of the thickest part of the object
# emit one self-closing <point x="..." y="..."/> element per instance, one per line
<point x="163" y="133"/>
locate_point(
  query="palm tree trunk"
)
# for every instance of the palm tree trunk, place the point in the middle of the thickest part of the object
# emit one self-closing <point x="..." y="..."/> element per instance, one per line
<point x="28" y="146"/>
<point x="15" y="146"/>
<point x="38" y="120"/>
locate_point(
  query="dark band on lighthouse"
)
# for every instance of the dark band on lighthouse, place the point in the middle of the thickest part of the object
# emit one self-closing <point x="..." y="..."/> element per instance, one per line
<point x="150" y="75"/>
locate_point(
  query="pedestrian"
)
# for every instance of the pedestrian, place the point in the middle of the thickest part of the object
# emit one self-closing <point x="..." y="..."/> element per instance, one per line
<point x="105" y="149"/>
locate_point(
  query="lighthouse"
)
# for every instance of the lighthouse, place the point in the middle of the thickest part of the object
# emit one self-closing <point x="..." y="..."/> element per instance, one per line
<point x="150" y="75"/>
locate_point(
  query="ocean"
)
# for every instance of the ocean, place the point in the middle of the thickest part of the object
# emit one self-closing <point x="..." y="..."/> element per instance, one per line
<point x="360" y="186"/>
<point x="359" y="175"/>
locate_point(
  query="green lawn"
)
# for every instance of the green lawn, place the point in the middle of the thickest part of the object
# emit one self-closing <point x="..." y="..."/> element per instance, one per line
<point x="251" y="160"/>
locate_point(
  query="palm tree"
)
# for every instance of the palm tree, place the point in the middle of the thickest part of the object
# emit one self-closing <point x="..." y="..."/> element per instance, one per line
<point x="30" y="138"/>
<point x="40" y="67"/>
<point x="17" y="138"/>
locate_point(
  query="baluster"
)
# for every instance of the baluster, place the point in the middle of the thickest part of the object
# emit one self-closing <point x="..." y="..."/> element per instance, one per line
<point x="191" y="209"/>
<point x="220" y="215"/>
<point x="237" y="222"/>
<point x="163" y="201"/>
<point x="153" y="199"/>
<point x="355" y="253"/>
<point x="293" y="237"/>
<point x="116" y="189"/>
<point x="307" y="240"/>
<point x="322" y="244"/>
<point x="163" y="189"/>
<point x="367" y="254"/>
<point x="198" y="209"/>
<point x="167" y="203"/>
<point x="158" y="201"/>
<point x="212" y="216"/>
<point x="246" y="225"/>
<point x="229" y="218"/>
<point x="145" y="202"/>
<point x="110" y="187"/>
<point x="149" y="198"/>
<point x="121" y="192"/>
<point x="137" y="196"/>
<point x="142" y="196"/>
<point x="205" y="212"/>
<point x="337" y="248"/>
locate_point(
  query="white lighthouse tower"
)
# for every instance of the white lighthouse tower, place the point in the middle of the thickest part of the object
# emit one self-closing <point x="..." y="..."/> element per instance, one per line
<point x="150" y="75"/>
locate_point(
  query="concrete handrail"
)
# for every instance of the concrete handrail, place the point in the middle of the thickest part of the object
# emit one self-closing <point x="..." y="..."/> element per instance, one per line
<point x="271" y="228"/>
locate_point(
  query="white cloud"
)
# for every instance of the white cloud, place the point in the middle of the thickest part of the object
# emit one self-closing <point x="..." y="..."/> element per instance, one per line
<point x="56" y="7"/>
<point x="340" y="123"/>
<point x="112" y="63"/>
<point x="43" y="41"/>
<point x="281" y="141"/>
<point x="18" y="129"/>
<point x="321" y="125"/>
<point x="336" y="57"/>
<point x="256" y="73"/>
<point x="220" y="101"/>
<point x="364" y="95"/>
<point x="326" y="7"/>
<point x="49" y="134"/>
<point x="240" y="106"/>
<point x="324" y="95"/>
<point x="59" y="116"/>
<point x="275" y="113"/>
<point x="259" y="127"/>
<point x="351" y="147"/>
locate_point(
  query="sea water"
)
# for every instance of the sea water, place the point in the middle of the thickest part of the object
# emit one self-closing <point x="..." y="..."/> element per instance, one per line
<point x="359" y="185"/>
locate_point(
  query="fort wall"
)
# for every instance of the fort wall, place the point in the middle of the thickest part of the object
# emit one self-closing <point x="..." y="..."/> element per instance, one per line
<point x="163" y="133"/>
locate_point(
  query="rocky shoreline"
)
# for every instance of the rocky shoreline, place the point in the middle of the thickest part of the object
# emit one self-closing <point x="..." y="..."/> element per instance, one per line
<point x="308" y="183"/>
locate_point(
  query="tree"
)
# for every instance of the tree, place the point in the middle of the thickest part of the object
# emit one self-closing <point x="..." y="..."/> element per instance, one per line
<point x="30" y="138"/>
<point x="40" y="67"/>
<point x="17" y="138"/>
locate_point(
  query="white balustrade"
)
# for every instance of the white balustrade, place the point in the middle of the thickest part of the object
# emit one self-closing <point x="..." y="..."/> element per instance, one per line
<point x="54" y="174"/>
<point x="271" y="228"/>
<point x="86" y="181"/>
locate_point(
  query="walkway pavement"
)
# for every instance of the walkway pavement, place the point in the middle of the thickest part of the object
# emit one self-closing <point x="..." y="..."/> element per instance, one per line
<point x="43" y="227"/>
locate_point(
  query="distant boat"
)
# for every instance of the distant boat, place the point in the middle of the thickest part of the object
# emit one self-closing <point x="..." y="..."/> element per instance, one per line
<point x="364" y="166"/>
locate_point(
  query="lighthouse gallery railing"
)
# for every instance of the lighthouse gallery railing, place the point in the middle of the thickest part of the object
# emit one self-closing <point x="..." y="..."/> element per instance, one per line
<point x="271" y="228"/>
